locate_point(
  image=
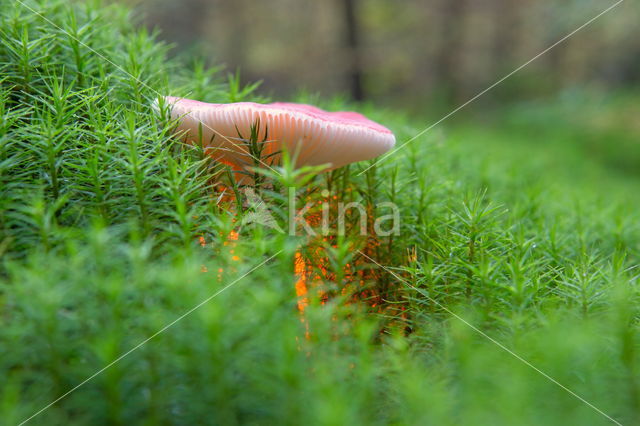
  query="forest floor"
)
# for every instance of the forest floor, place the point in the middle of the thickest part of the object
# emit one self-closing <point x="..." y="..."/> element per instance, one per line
<point x="510" y="295"/>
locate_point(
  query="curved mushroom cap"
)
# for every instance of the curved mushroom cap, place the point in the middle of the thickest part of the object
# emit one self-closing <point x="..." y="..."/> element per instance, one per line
<point x="318" y="137"/>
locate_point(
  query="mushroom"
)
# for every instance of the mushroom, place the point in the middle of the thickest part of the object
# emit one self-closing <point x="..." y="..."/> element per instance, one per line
<point x="317" y="137"/>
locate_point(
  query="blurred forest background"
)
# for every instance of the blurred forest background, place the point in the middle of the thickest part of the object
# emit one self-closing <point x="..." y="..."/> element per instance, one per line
<point x="418" y="54"/>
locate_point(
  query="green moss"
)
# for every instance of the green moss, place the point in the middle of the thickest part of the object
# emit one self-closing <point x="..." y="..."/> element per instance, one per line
<point x="101" y="210"/>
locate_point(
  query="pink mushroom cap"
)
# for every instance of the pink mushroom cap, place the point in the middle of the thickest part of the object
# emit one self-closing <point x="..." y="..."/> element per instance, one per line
<point x="316" y="136"/>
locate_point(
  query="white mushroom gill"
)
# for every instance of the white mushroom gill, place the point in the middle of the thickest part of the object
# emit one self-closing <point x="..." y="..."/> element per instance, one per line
<point x="319" y="137"/>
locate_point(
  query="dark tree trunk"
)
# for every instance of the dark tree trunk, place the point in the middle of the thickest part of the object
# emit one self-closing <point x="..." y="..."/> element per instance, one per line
<point x="448" y="56"/>
<point x="505" y="42"/>
<point x="236" y="51"/>
<point x="352" y="44"/>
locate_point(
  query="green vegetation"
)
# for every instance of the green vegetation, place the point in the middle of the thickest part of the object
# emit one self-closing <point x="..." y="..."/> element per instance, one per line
<point x="521" y="231"/>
